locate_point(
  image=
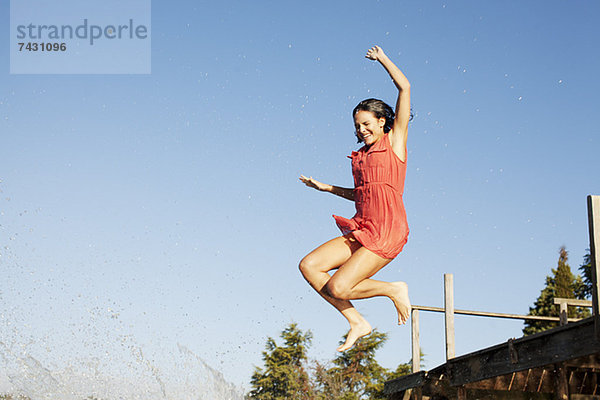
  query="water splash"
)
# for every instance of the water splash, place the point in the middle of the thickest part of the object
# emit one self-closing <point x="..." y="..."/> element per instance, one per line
<point x="62" y="340"/>
<point x="172" y="375"/>
<point x="98" y="360"/>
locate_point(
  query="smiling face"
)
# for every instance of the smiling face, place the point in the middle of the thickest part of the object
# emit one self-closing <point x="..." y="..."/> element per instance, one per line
<point x="368" y="127"/>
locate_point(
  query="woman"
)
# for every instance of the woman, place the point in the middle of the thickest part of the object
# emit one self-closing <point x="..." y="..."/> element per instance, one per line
<point x="378" y="231"/>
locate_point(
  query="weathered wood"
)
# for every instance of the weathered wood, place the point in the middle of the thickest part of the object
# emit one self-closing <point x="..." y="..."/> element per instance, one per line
<point x="443" y="390"/>
<point x="404" y="382"/>
<point x="539" y="380"/>
<point x="548" y="347"/>
<point x="573" y="302"/>
<point x="506" y="395"/>
<point x="396" y="396"/>
<point x="449" y="314"/>
<point x="591" y="362"/>
<point x="561" y="383"/>
<point x="563" y="313"/>
<point x="493" y="314"/>
<point x="416" y="393"/>
<point x="437" y="384"/>
<point x="407" y="394"/>
<point x="416" y="347"/>
<point x="593" y="203"/>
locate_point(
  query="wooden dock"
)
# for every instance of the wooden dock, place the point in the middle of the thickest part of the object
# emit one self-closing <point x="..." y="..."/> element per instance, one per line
<point x="560" y="360"/>
<point x="558" y="364"/>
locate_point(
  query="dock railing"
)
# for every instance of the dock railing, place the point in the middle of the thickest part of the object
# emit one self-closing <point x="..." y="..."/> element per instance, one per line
<point x="449" y="311"/>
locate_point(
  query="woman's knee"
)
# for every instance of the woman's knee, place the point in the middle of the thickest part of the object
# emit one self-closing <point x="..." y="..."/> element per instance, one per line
<point x="307" y="265"/>
<point x="338" y="289"/>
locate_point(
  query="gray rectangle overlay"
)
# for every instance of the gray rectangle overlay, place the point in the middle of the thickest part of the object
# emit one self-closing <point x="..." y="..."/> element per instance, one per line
<point x="80" y="37"/>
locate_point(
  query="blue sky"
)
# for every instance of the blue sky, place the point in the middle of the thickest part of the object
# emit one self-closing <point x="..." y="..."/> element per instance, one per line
<point x="166" y="207"/>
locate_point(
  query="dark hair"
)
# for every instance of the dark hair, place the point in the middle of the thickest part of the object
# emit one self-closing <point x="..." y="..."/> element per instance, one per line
<point x="380" y="109"/>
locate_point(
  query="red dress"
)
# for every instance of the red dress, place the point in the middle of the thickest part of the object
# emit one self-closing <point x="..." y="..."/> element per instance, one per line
<point x="380" y="220"/>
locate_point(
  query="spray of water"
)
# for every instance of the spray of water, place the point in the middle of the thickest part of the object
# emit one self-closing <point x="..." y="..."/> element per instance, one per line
<point x="67" y="343"/>
<point x="172" y="374"/>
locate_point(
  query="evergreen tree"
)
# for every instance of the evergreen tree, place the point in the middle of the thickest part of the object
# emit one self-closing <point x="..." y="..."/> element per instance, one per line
<point x="284" y="376"/>
<point x="352" y="375"/>
<point x="562" y="284"/>
<point x="328" y="385"/>
<point x="355" y="373"/>
<point x="586" y="271"/>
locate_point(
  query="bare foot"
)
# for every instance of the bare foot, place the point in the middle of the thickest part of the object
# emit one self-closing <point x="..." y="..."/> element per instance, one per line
<point x="356" y="332"/>
<point x="401" y="301"/>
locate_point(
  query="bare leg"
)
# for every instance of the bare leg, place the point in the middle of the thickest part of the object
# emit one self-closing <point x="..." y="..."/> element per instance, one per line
<point x="314" y="268"/>
<point x="351" y="281"/>
<point x="356" y="265"/>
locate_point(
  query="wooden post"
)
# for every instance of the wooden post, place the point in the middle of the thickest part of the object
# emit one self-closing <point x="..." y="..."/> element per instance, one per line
<point x="449" y="311"/>
<point x="593" y="203"/>
<point x="461" y="393"/>
<point x="561" y="384"/>
<point x="416" y="347"/>
<point x="564" y="308"/>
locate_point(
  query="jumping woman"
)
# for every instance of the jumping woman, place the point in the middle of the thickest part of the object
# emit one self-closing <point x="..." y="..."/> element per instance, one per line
<point x="378" y="231"/>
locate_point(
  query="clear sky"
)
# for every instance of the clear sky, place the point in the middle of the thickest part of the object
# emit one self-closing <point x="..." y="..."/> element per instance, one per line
<point x="164" y="209"/>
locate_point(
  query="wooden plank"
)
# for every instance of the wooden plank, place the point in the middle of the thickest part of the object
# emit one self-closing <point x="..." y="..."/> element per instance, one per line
<point x="506" y="395"/>
<point x="573" y="302"/>
<point x="591" y="362"/>
<point x="548" y="347"/>
<point x="449" y="315"/>
<point x="404" y="382"/>
<point x="416" y="347"/>
<point x="539" y="380"/>
<point x="493" y="314"/>
<point x="593" y="203"/>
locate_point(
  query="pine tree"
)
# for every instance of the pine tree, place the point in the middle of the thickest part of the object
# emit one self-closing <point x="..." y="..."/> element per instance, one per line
<point x="352" y="375"/>
<point x="586" y="271"/>
<point x="284" y="376"/>
<point x="355" y="373"/>
<point x="562" y="284"/>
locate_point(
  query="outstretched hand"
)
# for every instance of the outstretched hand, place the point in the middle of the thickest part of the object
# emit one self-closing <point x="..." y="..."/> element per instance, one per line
<point x="313" y="183"/>
<point x="374" y="53"/>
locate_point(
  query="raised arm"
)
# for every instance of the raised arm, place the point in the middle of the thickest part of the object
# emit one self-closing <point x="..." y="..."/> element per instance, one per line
<point x="399" y="132"/>
<point x="346" y="193"/>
